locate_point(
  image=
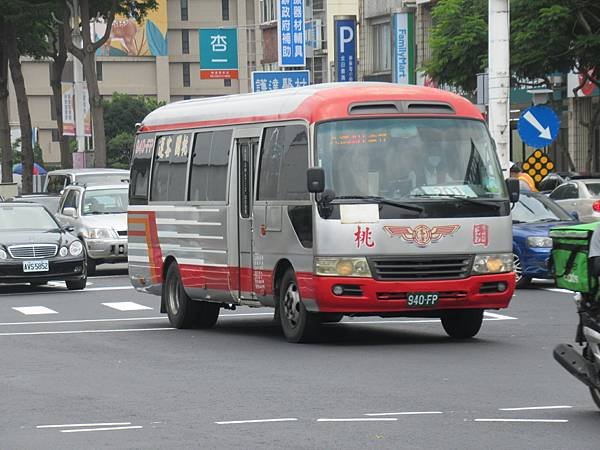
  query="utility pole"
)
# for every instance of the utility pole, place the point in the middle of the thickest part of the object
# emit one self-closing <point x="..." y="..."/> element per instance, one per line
<point x="78" y="86"/>
<point x="499" y="78"/>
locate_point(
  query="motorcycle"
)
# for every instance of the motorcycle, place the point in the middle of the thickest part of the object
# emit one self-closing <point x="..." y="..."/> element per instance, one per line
<point x="585" y="364"/>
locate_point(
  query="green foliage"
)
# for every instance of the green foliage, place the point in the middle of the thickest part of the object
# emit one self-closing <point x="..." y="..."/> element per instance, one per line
<point x="38" y="156"/>
<point x="121" y="113"/>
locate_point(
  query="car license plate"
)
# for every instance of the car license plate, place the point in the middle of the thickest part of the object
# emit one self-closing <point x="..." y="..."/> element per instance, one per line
<point x="36" y="266"/>
<point x="422" y="299"/>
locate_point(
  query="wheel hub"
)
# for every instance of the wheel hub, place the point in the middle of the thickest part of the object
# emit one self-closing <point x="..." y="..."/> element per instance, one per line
<point x="174" y="297"/>
<point x="291" y="305"/>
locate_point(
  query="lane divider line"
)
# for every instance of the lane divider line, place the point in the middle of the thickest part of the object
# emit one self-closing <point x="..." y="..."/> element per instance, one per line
<point x="124" y="330"/>
<point x="83" y="430"/>
<point x="524" y="420"/>
<point x="404" y="413"/>
<point x="361" y="419"/>
<point x="72" y="425"/>
<point x="233" y="422"/>
<point x="531" y="408"/>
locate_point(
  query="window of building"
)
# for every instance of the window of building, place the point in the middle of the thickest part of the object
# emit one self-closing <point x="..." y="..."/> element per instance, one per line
<point x="283" y="158"/>
<point x="318" y="5"/>
<point x="210" y="160"/>
<point x="169" y="170"/>
<point x="382" y="47"/>
<point x="227" y="82"/>
<point x="268" y="10"/>
<point x="99" y="70"/>
<point x="185" y="42"/>
<point x="184" y="9"/>
<point x="225" y="9"/>
<point x="186" y="74"/>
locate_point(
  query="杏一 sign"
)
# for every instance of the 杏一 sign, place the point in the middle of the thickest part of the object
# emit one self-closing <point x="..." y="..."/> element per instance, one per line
<point x="290" y="33"/>
<point x="218" y="53"/>
<point x="272" y="81"/>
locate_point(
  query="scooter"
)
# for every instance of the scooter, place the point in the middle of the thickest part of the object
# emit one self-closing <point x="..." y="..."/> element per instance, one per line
<point x="584" y="365"/>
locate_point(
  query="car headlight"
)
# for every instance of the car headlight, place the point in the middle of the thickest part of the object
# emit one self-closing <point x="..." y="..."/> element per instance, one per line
<point x="539" y="242"/>
<point x="64" y="251"/>
<point x="342" y="267"/>
<point x="498" y="263"/>
<point x="76" y="248"/>
<point x="99" y="233"/>
<point x="3" y="254"/>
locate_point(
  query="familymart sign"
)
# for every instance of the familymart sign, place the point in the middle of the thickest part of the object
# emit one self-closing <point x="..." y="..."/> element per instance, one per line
<point x="404" y="48"/>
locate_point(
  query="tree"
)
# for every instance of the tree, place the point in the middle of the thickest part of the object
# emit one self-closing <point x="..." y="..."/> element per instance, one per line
<point x="86" y="52"/>
<point x="6" y="154"/>
<point x="121" y="113"/>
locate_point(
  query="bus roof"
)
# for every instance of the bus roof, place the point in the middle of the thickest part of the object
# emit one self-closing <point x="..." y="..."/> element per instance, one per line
<point x="313" y="103"/>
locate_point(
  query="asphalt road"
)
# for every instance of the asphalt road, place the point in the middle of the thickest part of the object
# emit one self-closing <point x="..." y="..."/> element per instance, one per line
<point x="103" y="369"/>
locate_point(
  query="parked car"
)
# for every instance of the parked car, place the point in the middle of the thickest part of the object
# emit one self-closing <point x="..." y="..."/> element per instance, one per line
<point x="581" y="196"/>
<point x="533" y="216"/>
<point x="98" y="215"/>
<point x="50" y="201"/>
<point x="35" y="249"/>
<point x="553" y="180"/>
<point x="57" y="180"/>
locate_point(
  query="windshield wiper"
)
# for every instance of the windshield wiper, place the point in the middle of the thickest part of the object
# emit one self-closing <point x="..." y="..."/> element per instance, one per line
<point x="380" y="201"/>
<point x="550" y="219"/>
<point x="462" y="198"/>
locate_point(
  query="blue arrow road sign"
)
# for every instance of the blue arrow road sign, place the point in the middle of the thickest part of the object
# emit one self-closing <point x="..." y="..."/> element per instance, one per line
<point x="538" y="126"/>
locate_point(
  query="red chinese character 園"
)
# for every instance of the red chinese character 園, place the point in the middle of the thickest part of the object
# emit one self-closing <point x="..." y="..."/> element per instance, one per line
<point x="363" y="237"/>
<point x="481" y="235"/>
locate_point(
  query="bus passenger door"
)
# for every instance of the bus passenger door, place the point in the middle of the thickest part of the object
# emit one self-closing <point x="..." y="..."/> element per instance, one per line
<point x="246" y="150"/>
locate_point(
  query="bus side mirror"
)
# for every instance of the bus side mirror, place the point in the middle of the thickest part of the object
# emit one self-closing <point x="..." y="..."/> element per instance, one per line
<point x="514" y="189"/>
<point x="315" y="178"/>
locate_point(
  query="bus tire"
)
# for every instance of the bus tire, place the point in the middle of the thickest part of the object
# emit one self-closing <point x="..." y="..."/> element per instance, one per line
<point x="297" y="323"/>
<point x="183" y="312"/>
<point x="91" y="266"/>
<point x="462" y="323"/>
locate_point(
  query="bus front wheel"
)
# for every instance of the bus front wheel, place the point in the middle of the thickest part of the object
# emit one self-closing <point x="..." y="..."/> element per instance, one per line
<point x="297" y="323"/>
<point x="462" y="323"/>
<point x="184" y="312"/>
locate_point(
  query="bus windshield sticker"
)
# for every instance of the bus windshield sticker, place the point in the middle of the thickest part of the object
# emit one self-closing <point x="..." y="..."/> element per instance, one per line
<point x="368" y="213"/>
<point x="458" y="189"/>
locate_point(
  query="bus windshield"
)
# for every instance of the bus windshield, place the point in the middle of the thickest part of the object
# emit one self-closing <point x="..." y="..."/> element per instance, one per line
<point x="408" y="158"/>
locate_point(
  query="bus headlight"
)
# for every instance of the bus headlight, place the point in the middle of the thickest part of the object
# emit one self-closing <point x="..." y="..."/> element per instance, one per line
<point x="539" y="242"/>
<point x="498" y="263"/>
<point x="342" y="267"/>
<point x="75" y="248"/>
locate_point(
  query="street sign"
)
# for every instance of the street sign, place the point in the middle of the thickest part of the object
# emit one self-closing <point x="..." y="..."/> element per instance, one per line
<point x="272" y="81"/>
<point x="290" y="33"/>
<point x="218" y="53"/>
<point x="538" y="126"/>
<point x="538" y="165"/>
<point x="345" y="48"/>
<point x="404" y="48"/>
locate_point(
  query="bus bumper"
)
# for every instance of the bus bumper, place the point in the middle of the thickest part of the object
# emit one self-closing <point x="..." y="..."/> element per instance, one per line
<point x="366" y="295"/>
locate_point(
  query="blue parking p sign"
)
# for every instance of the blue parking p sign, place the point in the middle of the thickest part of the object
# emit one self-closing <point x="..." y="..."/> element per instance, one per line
<point x="538" y="126"/>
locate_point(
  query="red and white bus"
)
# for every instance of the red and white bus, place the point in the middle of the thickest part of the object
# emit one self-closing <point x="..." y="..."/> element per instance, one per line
<point x="322" y="201"/>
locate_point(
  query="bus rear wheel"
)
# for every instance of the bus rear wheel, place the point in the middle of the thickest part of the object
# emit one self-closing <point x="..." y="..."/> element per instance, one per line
<point x="462" y="323"/>
<point x="297" y="323"/>
<point x="184" y="312"/>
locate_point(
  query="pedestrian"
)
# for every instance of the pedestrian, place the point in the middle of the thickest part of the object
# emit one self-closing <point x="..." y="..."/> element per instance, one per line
<point x="525" y="180"/>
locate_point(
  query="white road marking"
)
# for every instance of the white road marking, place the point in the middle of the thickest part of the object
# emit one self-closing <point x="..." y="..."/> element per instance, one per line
<point x="404" y="413"/>
<point x="524" y="420"/>
<point x="232" y="422"/>
<point x="71" y="425"/>
<point x="562" y="291"/>
<point x="55" y="291"/>
<point x="529" y="408"/>
<point x="361" y="419"/>
<point x="126" y="306"/>
<point x="34" y="310"/>
<point x="82" y="430"/>
<point x="41" y="333"/>
<point x="63" y="284"/>
<point x="491" y="317"/>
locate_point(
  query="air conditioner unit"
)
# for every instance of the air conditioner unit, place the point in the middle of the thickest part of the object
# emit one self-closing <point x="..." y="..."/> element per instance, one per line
<point x="409" y="3"/>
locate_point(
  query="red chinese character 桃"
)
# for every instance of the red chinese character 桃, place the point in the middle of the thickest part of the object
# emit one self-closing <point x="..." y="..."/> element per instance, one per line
<point x="481" y="235"/>
<point x="363" y="237"/>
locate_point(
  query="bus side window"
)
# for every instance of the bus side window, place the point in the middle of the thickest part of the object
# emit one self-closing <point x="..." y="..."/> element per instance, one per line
<point x="169" y="170"/>
<point x="283" y="164"/>
<point x="140" y="169"/>
<point x="210" y="161"/>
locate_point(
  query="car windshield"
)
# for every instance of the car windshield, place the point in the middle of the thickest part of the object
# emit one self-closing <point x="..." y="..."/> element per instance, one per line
<point x="102" y="178"/>
<point x="105" y="201"/>
<point x="26" y="218"/>
<point x="594" y="189"/>
<point x="407" y="158"/>
<point x="533" y="207"/>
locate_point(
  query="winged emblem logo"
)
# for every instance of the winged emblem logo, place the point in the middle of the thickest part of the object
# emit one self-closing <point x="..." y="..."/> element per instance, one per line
<point x="422" y="235"/>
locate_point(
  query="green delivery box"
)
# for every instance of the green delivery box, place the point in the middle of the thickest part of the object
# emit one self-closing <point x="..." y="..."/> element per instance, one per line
<point x="570" y="262"/>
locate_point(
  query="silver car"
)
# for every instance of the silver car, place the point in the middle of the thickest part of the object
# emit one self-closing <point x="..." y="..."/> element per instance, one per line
<point x="581" y="196"/>
<point x="98" y="215"/>
<point x="57" y="180"/>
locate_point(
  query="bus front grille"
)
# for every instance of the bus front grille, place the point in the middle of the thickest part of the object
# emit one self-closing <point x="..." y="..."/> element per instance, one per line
<point x="420" y="268"/>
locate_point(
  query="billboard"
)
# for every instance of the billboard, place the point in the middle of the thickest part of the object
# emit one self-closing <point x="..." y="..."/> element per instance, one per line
<point x="68" y="110"/>
<point x="272" y="81"/>
<point x="218" y="53"/>
<point x="345" y="48"/>
<point x="290" y="33"/>
<point x="130" y="38"/>
<point x="404" y="66"/>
